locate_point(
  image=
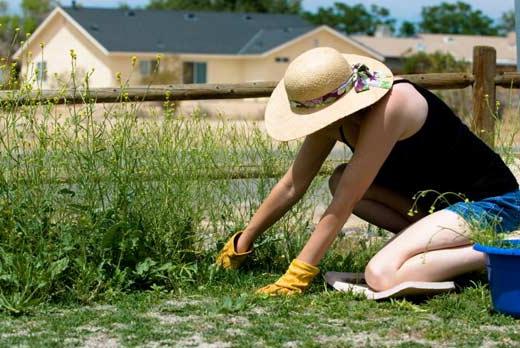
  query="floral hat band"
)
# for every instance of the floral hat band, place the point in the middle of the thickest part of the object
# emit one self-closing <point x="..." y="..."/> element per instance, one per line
<point x="361" y="80"/>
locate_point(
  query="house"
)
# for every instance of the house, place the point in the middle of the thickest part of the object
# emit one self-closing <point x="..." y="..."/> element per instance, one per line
<point x="394" y="49"/>
<point x="115" y="46"/>
<point x="196" y="47"/>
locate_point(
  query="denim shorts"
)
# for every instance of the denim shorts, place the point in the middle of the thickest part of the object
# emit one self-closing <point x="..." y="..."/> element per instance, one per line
<point x="500" y="212"/>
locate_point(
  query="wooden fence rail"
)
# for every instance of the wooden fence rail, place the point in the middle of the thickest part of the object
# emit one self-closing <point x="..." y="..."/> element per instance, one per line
<point x="221" y="91"/>
<point x="221" y="173"/>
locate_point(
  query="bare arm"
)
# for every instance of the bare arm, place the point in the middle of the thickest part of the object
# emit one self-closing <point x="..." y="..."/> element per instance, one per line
<point x="380" y="129"/>
<point x="291" y="187"/>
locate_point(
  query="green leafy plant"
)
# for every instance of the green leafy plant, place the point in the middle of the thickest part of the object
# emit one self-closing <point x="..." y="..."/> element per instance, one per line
<point x="95" y="200"/>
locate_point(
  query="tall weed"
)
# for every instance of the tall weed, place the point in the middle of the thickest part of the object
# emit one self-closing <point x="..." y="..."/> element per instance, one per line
<point x="95" y="200"/>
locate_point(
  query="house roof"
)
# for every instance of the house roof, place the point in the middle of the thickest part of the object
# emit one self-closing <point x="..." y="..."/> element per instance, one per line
<point x="460" y="46"/>
<point x="119" y="30"/>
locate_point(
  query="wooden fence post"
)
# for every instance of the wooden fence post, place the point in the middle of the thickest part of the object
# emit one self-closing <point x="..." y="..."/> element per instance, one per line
<point x="484" y="92"/>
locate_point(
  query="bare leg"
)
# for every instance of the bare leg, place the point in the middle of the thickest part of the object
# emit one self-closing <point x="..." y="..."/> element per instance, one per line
<point x="380" y="206"/>
<point x="440" y="265"/>
<point x="380" y="215"/>
<point x="435" y="248"/>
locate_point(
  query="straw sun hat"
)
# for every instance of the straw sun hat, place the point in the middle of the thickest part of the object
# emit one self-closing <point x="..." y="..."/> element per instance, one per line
<point x="320" y="87"/>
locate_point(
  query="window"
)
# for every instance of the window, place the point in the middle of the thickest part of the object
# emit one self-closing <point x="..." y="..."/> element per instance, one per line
<point x="281" y="59"/>
<point x="448" y="39"/>
<point x="191" y="17"/>
<point x="147" y="67"/>
<point x="420" y="47"/>
<point x="194" y="72"/>
<point x="41" y="71"/>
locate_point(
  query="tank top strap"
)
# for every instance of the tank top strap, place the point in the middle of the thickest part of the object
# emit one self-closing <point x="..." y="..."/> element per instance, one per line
<point x="402" y="80"/>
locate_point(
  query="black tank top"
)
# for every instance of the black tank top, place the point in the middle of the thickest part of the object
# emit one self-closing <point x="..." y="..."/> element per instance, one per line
<point x="444" y="156"/>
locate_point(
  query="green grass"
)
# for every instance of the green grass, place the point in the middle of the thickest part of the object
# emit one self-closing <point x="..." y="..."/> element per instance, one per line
<point x="225" y="312"/>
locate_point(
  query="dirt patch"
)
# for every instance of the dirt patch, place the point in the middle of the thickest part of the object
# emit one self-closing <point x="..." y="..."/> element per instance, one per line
<point x="180" y="304"/>
<point x="105" y="308"/>
<point x="19" y="333"/>
<point x="101" y="340"/>
<point x="235" y="332"/>
<point x="504" y="342"/>
<point x="172" y="319"/>
<point x="258" y="311"/>
<point x="89" y="328"/>
<point x="361" y="339"/>
<point x="237" y="321"/>
<point x="30" y="328"/>
<point x="198" y="341"/>
<point x="335" y="322"/>
<point x="499" y="329"/>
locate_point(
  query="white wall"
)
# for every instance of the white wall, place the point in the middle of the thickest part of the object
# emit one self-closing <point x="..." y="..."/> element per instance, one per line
<point x="59" y="38"/>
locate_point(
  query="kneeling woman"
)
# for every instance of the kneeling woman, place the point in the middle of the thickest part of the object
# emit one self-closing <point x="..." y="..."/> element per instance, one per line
<point x="405" y="141"/>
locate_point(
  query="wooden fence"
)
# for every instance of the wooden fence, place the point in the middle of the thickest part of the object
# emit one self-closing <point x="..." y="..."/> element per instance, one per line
<point x="483" y="79"/>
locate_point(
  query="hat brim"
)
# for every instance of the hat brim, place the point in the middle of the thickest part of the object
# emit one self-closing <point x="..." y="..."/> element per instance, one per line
<point x="285" y="123"/>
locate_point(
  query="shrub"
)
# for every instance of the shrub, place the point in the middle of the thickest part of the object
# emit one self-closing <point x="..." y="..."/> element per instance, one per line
<point x="438" y="62"/>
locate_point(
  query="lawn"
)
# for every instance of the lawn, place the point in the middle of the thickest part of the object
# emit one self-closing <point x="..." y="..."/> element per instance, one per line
<point x="226" y="313"/>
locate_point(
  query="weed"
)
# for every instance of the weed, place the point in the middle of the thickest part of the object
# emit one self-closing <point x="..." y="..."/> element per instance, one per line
<point x="95" y="201"/>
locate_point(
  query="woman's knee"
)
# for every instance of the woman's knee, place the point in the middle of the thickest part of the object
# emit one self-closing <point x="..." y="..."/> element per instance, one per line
<point x="335" y="177"/>
<point x="379" y="276"/>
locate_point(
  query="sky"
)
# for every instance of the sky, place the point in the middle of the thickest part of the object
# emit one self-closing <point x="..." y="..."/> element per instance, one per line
<point x="400" y="9"/>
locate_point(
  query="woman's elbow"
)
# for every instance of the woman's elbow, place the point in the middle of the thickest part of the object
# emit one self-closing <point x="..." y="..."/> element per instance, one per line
<point x="293" y="191"/>
<point x="296" y="193"/>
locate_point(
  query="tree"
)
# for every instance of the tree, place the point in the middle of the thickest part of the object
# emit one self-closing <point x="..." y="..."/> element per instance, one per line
<point x="407" y="29"/>
<point x="124" y="6"/>
<point x="507" y="22"/>
<point x="34" y="11"/>
<point x="14" y="27"/>
<point x="35" y="8"/>
<point x="381" y="16"/>
<point x="352" y="19"/>
<point x="456" y="18"/>
<point x="8" y="25"/>
<point x="271" y="6"/>
<point x="262" y="6"/>
<point x="179" y="5"/>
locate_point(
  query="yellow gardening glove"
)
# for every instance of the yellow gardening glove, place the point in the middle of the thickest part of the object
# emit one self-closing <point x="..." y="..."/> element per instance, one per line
<point x="228" y="257"/>
<point x="297" y="278"/>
